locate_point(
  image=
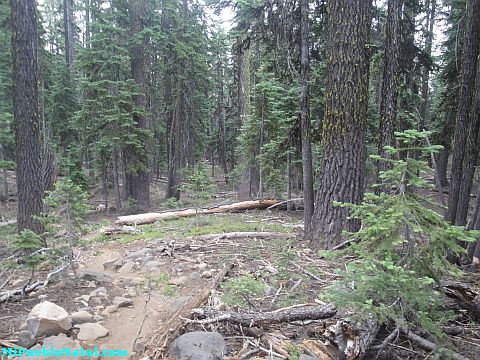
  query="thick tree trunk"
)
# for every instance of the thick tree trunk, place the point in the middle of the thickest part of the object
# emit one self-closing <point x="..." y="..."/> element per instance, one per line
<point x="137" y="177"/>
<point x="343" y="128"/>
<point x="389" y="93"/>
<point x="174" y="141"/>
<point x="116" y="181"/>
<point x="306" y="131"/>
<point x="464" y="122"/>
<point x="26" y="115"/>
<point x="471" y="153"/>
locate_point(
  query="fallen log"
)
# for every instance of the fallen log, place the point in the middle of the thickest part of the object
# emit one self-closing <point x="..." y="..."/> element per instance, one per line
<point x="243" y="235"/>
<point x="157" y="346"/>
<point x="149" y="218"/>
<point x="352" y="339"/>
<point x="293" y="313"/>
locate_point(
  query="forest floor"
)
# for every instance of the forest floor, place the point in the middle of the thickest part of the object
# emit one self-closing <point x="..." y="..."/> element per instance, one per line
<point x="165" y="265"/>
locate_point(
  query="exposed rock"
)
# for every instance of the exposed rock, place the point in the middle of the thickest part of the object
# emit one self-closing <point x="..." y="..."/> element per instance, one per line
<point x="48" y="319"/>
<point x="307" y="357"/>
<point x="100" y="291"/>
<point x="59" y="343"/>
<point x="95" y="276"/>
<point x="201" y="266"/>
<point x="127" y="267"/>
<point x="97" y="317"/>
<point x="23" y="326"/>
<point x="81" y="317"/>
<point x="139" y="347"/>
<point x="111" y="309"/>
<point x="140" y="253"/>
<point x="269" y="291"/>
<point x="178" y="280"/>
<point x="199" y="345"/>
<point x="120" y="301"/>
<point x="207" y="274"/>
<point x="153" y="264"/>
<point x="114" y="264"/>
<point x="26" y="339"/>
<point x="195" y="276"/>
<point x="91" y="331"/>
<point x="42" y="297"/>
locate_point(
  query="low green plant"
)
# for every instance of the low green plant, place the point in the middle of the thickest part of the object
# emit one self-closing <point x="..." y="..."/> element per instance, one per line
<point x="199" y="182"/>
<point x="172" y="203"/>
<point x="130" y="205"/>
<point x="26" y="243"/>
<point x="237" y="289"/>
<point x="401" y="247"/>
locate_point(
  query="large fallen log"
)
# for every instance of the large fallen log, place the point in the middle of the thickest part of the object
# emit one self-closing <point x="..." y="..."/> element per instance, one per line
<point x="243" y="235"/>
<point x="292" y="313"/>
<point x="149" y="218"/>
<point x="157" y="346"/>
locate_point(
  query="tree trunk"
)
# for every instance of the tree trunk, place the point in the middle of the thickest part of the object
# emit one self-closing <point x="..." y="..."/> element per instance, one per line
<point x="343" y="128"/>
<point x="26" y="115"/>
<point x="463" y="124"/>
<point x="69" y="35"/>
<point x="116" y="182"/>
<point x="305" y="126"/>
<point x="389" y="93"/>
<point x="289" y="182"/>
<point x="138" y="178"/>
<point x="431" y="10"/>
<point x="244" y="190"/>
<point x="471" y="154"/>
<point x="260" y="165"/>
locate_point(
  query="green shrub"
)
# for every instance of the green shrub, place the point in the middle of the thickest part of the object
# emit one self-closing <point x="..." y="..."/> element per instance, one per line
<point x="401" y="247"/>
<point x="236" y="289"/>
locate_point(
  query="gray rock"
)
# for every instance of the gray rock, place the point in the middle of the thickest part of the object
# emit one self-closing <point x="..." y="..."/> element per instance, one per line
<point x="81" y="317"/>
<point x="201" y="266"/>
<point x="97" y="318"/>
<point x="207" y="274"/>
<point x="153" y="264"/>
<point x="120" y="301"/>
<point x="114" y="264"/>
<point x="23" y="326"/>
<point x="271" y="269"/>
<point x="307" y="357"/>
<point x="47" y="319"/>
<point x="199" y="345"/>
<point x="26" y="339"/>
<point x="140" y="253"/>
<point x="127" y="267"/>
<point x="270" y="290"/>
<point x="58" y="343"/>
<point x="98" y="277"/>
<point x="91" y="331"/>
<point x="178" y="280"/>
<point x="100" y="291"/>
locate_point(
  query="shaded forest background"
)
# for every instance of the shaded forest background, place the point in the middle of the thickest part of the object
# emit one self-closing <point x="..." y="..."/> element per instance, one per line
<point x="291" y="99"/>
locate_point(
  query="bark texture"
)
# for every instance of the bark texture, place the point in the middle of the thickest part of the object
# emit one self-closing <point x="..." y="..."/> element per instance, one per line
<point x="389" y="94"/>
<point x="137" y="177"/>
<point x="306" y="131"/>
<point x="343" y="128"/>
<point x="26" y="115"/>
<point x="464" y="126"/>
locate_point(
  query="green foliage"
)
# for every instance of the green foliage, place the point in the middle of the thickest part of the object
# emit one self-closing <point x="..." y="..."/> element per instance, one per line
<point x="130" y="205"/>
<point x="401" y="248"/>
<point x="237" y="289"/>
<point x="69" y="207"/>
<point x="26" y="243"/>
<point x="171" y="203"/>
<point x="199" y="182"/>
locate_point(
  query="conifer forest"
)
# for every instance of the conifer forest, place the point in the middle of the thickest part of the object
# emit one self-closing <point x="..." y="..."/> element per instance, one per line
<point x="240" y="179"/>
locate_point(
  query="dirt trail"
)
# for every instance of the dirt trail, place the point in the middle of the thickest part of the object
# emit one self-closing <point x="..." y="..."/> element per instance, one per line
<point x="125" y="323"/>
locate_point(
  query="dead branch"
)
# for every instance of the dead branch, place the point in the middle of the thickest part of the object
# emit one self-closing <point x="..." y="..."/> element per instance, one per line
<point x="428" y="345"/>
<point x="283" y="202"/>
<point x="306" y="272"/>
<point x="312" y="312"/>
<point x="7" y="295"/>
<point x="149" y="218"/>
